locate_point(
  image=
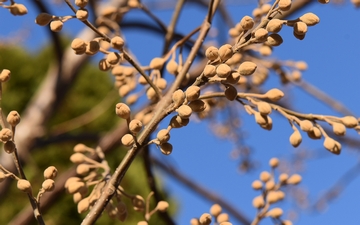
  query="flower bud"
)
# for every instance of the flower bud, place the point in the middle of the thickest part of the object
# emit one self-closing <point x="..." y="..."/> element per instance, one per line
<point x="166" y="148"/>
<point x="223" y="217"/>
<point x="83" y="169"/>
<point x="261" y="35"/>
<point x="215" y="210"/>
<point x="122" y="110"/>
<point x="161" y="83"/>
<point x="247" y="68"/>
<point x="294" y="179"/>
<point x="13" y="118"/>
<point x="5" y="75"/>
<point x="18" y="9"/>
<point x="264" y="108"/>
<point x="269" y="185"/>
<point x="163" y="136"/>
<point x="24" y="185"/>
<point x="117" y="43"/>
<point x="127" y="140"/>
<point x="9" y="147"/>
<point x="310" y="19"/>
<point x="81" y="3"/>
<point x="104" y="65"/>
<point x="172" y="67"/>
<point x="258" y="202"/>
<point x="83" y="205"/>
<point x="56" y="25"/>
<point x="349" y="121"/>
<point x="257" y="185"/>
<point x="300" y="28"/>
<point x="135" y="126"/>
<point x="274" y="162"/>
<point x="6" y="135"/>
<point x="157" y="63"/>
<point x="339" y="129"/>
<point x="247" y="23"/>
<point x="82" y="14"/>
<point x="50" y="172"/>
<point x="275" y="213"/>
<point x="77" y="158"/>
<point x="192" y="93"/>
<point x="324" y="1"/>
<point x="79" y="46"/>
<point x="283" y="178"/>
<point x="197" y="105"/>
<point x="314" y="133"/>
<point x="162" y="206"/>
<point x="184" y="111"/>
<point x="274" y="40"/>
<point x="306" y="125"/>
<point x="43" y="19"/>
<point x="274" y="94"/>
<point x="265" y="176"/>
<point x="295" y="138"/>
<point x="223" y="70"/>
<point x="178" y="97"/>
<point x="225" y="52"/>
<point x="231" y="93"/>
<point x="113" y="58"/>
<point x="92" y="48"/>
<point x="205" y="219"/>
<point x="209" y="71"/>
<point x="284" y="5"/>
<point x="48" y="185"/>
<point x="274" y="25"/>
<point x="212" y="53"/>
<point x="138" y="203"/>
<point x="332" y="145"/>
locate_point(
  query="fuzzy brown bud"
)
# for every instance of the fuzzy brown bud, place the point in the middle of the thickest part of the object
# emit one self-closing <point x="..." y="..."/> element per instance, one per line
<point x="48" y="185"/>
<point x="192" y="93"/>
<point x="122" y="110"/>
<point x="247" y="68"/>
<point x="212" y="53"/>
<point x="24" y="185"/>
<point x="13" y="118"/>
<point x="43" y="19"/>
<point x="310" y="19"/>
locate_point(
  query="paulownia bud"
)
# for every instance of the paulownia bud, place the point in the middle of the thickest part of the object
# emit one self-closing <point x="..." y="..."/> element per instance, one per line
<point x="264" y="108"/>
<point x="113" y="58"/>
<point x="300" y="28"/>
<point x="294" y="179"/>
<point x="215" y="210"/>
<point x="225" y="52"/>
<point x="83" y="205"/>
<point x="79" y="46"/>
<point x="50" y="172"/>
<point x="223" y="217"/>
<point x="274" y="25"/>
<point x="178" y="97"/>
<point x="18" y="9"/>
<point x="349" y="121"/>
<point x="162" y="206"/>
<point x="284" y="5"/>
<point x="247" y="23"/>
<point x="339" y="129"/>
<point x="81" y="3"/>
<point x="117" y="43"/>
<point x="163" y="135"/>
<point x="48" y="185"/>
<point x="261" y="35"/>
<point x="83" y="169"/>
<point x="315" y="133"/>
<point x="5" y="75"/>
<point x="197" y="105"/>
<point x="157" y="63"/>
<point x="24" y="185"/>
<point x="258" y="202"/>
<point x="172" y="67"/>
<point x="135" y="126"/>
<point x="324" y="1"/>
<point x="223" y="70"/>
<point x="295" y="138"/>
<point x="310" y="19"/>
<point x="257" y="185"/>
<point x="205" y="219"/>
<point x="231" y="93"/>
<point x="274" y="94"/>
<point x="192" y="93"/>
<point x="184" y="111"/>
<point x="56" y="25"/>
<point x="104" y="65"/>
<point x="265" y="176"/>
<point x="9" y="147"/>
<point x="283" y="178"/>
<point x="43" y="19"/>
<point x="92" y="47"/>
<point x="306" y="125"/>
<point x="274" y="162"/>
<point x="275" y="213"/>
<point x="82" y="14"/>
<point x="122" y="110"/>
<point x="212" y="53"/>
<point x="274" y="40"/>
<point x="247" y="68"/>
<point x="166" y="148"/>
<point x="138" y="203"/>
<point x="6" y="134"/>
<point x="332" y="145"/>
<point x="161" y="83"/>
<point x="127" y="140"/>
<point x="209" y="71"/>
<point x="13" y="118"/>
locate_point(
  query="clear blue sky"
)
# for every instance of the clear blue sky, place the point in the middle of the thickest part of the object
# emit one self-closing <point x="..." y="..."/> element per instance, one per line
<point x="332" y="52"/>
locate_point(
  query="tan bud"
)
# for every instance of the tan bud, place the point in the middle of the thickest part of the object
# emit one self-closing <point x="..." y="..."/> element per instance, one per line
<point x="265" y="176"/>
<point x="82" y="14"/>
<point x="197" y="105"/>
<point x="300" y="28"/>
<point x="132" y="99"/>
<point x="50" y="172"/>
<point x="315" y="133"/>
<point x="275" y="213"/>
<point x="272" y="197"/>
<point x="83" y="169"/>
<point x="247" y="68"/>
<point x="5" y="75"/>
<point x="161" y="83"/>
<point x="209" y="71"/>
<point x="257" y="185"/>
<point x="172" y="67"/>
<point x="157" y="63"/>
<point x="178" y="97"/>
<point x="274" y="25"/>
<point x="339" y="129"/>
<point x="265" y="8"/>
<point x="215" y="210"/>
<point x="269" y="185"/>
<point x="163" y="135"/>
<point x="212" y="53"/>
<point x="127" y="140"/>
<point x="257" y="12"/>
<point x="298" y="36"/>
<point x="81" y="3"/>
<point x="287" y="222"/>
<point x="274" y="162"/>
<point x="92" y="48"/>
<point x="192" y="93"/>
<point x="18" y="9"/>
<point x="225" y="52"/>
<point x="223" y="217"/>
<point x="349" y="121"/>
<point x="233" y="78"/>
<point x="306" y="125"/>
<point x="258" y="202"/>
<point x="332" y="145"/>
<point x="274" y="40"/>
<point x="166" y="148"/>
<point x="324" y="1"/>
<point x="113" y="58"/>
<point x="294" y="179"/>
<point x="24" y="185"/>
<point x="284" y="5"/>
<point x="162" y="206"/>
<point x="177" y="122"/>
<point x="310" y="19"/>
<point x="79" y="46"/>
<point x="283" y="177"/>
<point x="135" y="126"/>
<point x="104" y="65"/>
<point x="233" y="32"/>
<point x="48" y="185"/>
<point x="264" y="108"/>
<point x="247" y="23"/>
<point x="184" y="111"/>
<point x="122" y="110"/>
<point x="43" y="19"/>
<point x="6" y="134"/>
<point x="296" y="75"/>
<point x="56" y="25"/>
<point x="295" y="138"/>
<point x="261" y="35"/>
<point x="205" y="219"/>
<point x="223" y="70"/>
<point x="77" y="158"/>
<point x="117" y="43"/>
<point x="231" y="92"/>
<point x="265" y="50"/>
<point x="83" y="205"/>
<point x="274" y="94"/>
<point x="71" y="180"/>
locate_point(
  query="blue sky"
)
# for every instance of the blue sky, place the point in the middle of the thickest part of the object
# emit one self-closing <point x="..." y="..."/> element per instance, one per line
<point x="331" y="51"/>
